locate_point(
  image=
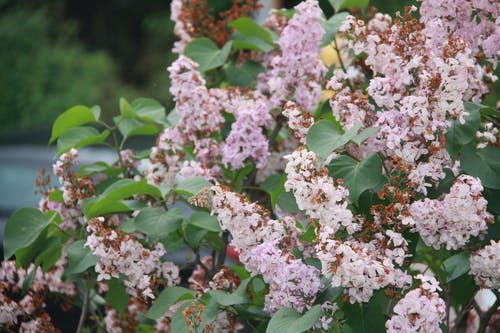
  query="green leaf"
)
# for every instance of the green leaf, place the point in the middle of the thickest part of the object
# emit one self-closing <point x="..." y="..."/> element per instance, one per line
<point x="149" y="110"/>
<point x="459" y="134"/>
<point x="483" y="163"/>
<point x="206" y="53"/>
<point x="130" y="127"/>
<point x="191" y="186"/>
<point x="193" y="234"/>
<point x="167" y="298"/>
<point x="80" y="258"/>
<point x="205" y="220"/>
<point x="77" y="137"/>
<point x="456" y="266"/>
<point x="56" y="196"/>
<point x="98" y="167"/>
<point x="367" y="317"/>
<point x="126" y="109"/>
<point x="250" y="43"/>
<point x="73" y="117"/>
<point x="117" y="296"/>
<point x="357" y="176"/>
<point x="365" y="134"/>
<point x="23" y="228"/>
<point x="287" y="202"/>
<point x="324" y="137"/>
<point x="225" y="299"/>
<point x="321" y="136"/>
<point x="249" y="28"/>
<point x="244" y="75"/>
<point x="343" y="4"/>
<point x="28" y="280"/>
<point x="332" y="27"/>
<point x="155" y="223"/>
<point x="113" y="195"/>
<point x="288" y="320"/>
<point x="25" y="256"/>
<point x="50" y="254"/>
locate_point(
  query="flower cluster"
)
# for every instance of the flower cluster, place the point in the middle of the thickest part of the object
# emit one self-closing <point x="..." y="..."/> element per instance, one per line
<point x="119" y="253"/>
<point x="316" y="192"/>
<point x="292" y="283"/>
<point x="455" y="218"/>
<point x="418" y="87"/>
<point x="361" y="268"/>
<point x="421" y="310"/>
<point x="297" y="71"/>
<point x="484" y="266"/>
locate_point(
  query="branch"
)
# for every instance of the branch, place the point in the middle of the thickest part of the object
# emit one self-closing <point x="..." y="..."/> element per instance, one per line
<point x="85" y="305"/>
<point x="484" y="318"/>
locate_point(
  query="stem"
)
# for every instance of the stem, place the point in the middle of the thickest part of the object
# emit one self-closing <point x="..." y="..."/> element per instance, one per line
<point x="340" y="61"/>
<point x="461" y="316"/>
<point x="84" y="311"/>
<point x="484" y="317"/>
<point x="116" y="147"/>
<point x="201" y="264"/>
<point x="221" y="257"/>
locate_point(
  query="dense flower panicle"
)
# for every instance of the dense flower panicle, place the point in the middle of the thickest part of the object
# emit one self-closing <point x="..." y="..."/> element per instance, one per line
<point x="316" y="192"/>
<point x="421" y="310"/>
<point x="474" y="21"/>
<point x="199" y="112"/>
<point x="248" y="222"/>
<point x="292" y="283"/>
<point x="361" y="268"/>
<point x="484" y="266"/>
<point x="349" y="107"/>
<point x="299" y="121"/>
<point x="181" y="27"/>
<point x="453" y="220"/>
<point x="121" y="254"/>
<point x="488" y="134"/>
<point x="418" y="85"/>
<point x="246" y="139"/>
<point x="31" y="303"/>
<point x="297" y="71"/>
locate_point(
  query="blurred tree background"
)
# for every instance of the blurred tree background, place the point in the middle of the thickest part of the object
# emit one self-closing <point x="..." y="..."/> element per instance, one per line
<point x="59" y="53"/>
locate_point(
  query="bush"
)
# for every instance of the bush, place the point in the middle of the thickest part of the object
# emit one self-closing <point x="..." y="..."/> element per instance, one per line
<point x="356" y="198"/>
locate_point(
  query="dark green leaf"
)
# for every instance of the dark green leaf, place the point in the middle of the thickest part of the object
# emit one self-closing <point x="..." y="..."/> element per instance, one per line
<point x="117" y="296"/>
<point x="78" y="137"/>
<point x="321" y="136"/>
<point x="155" y="223"/>
<point x="244" y="75"/>
<point x="250" y="43"/>
<point x="286" y="201"/>
<point x="115" y="193"/>
<point x="206" y="53"/>
<point x="167" y="298"/>
<point x="74" y="117"/>
<point x="225" y="299"/>
<point x="205" y="220"/>
<point x="367" y="317"/>
<point x="22" y="228"/>
<point x="288" y="320"/>
<point x="50" y="254"/>
<point x="80" y="258"/>
<point x="456" y="266"/>
<point x="459" y="134"/>
<point x="357" y="176"/>
<point x="483" y="163"/>
<point x="28" y="280"/>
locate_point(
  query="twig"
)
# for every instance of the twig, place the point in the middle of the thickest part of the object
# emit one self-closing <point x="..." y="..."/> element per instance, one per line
<point x="85" y="305"/>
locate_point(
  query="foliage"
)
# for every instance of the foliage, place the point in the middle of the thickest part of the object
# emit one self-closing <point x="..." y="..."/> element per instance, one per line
<point x="327" y="208"/>
<point x="41" y="76"/>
